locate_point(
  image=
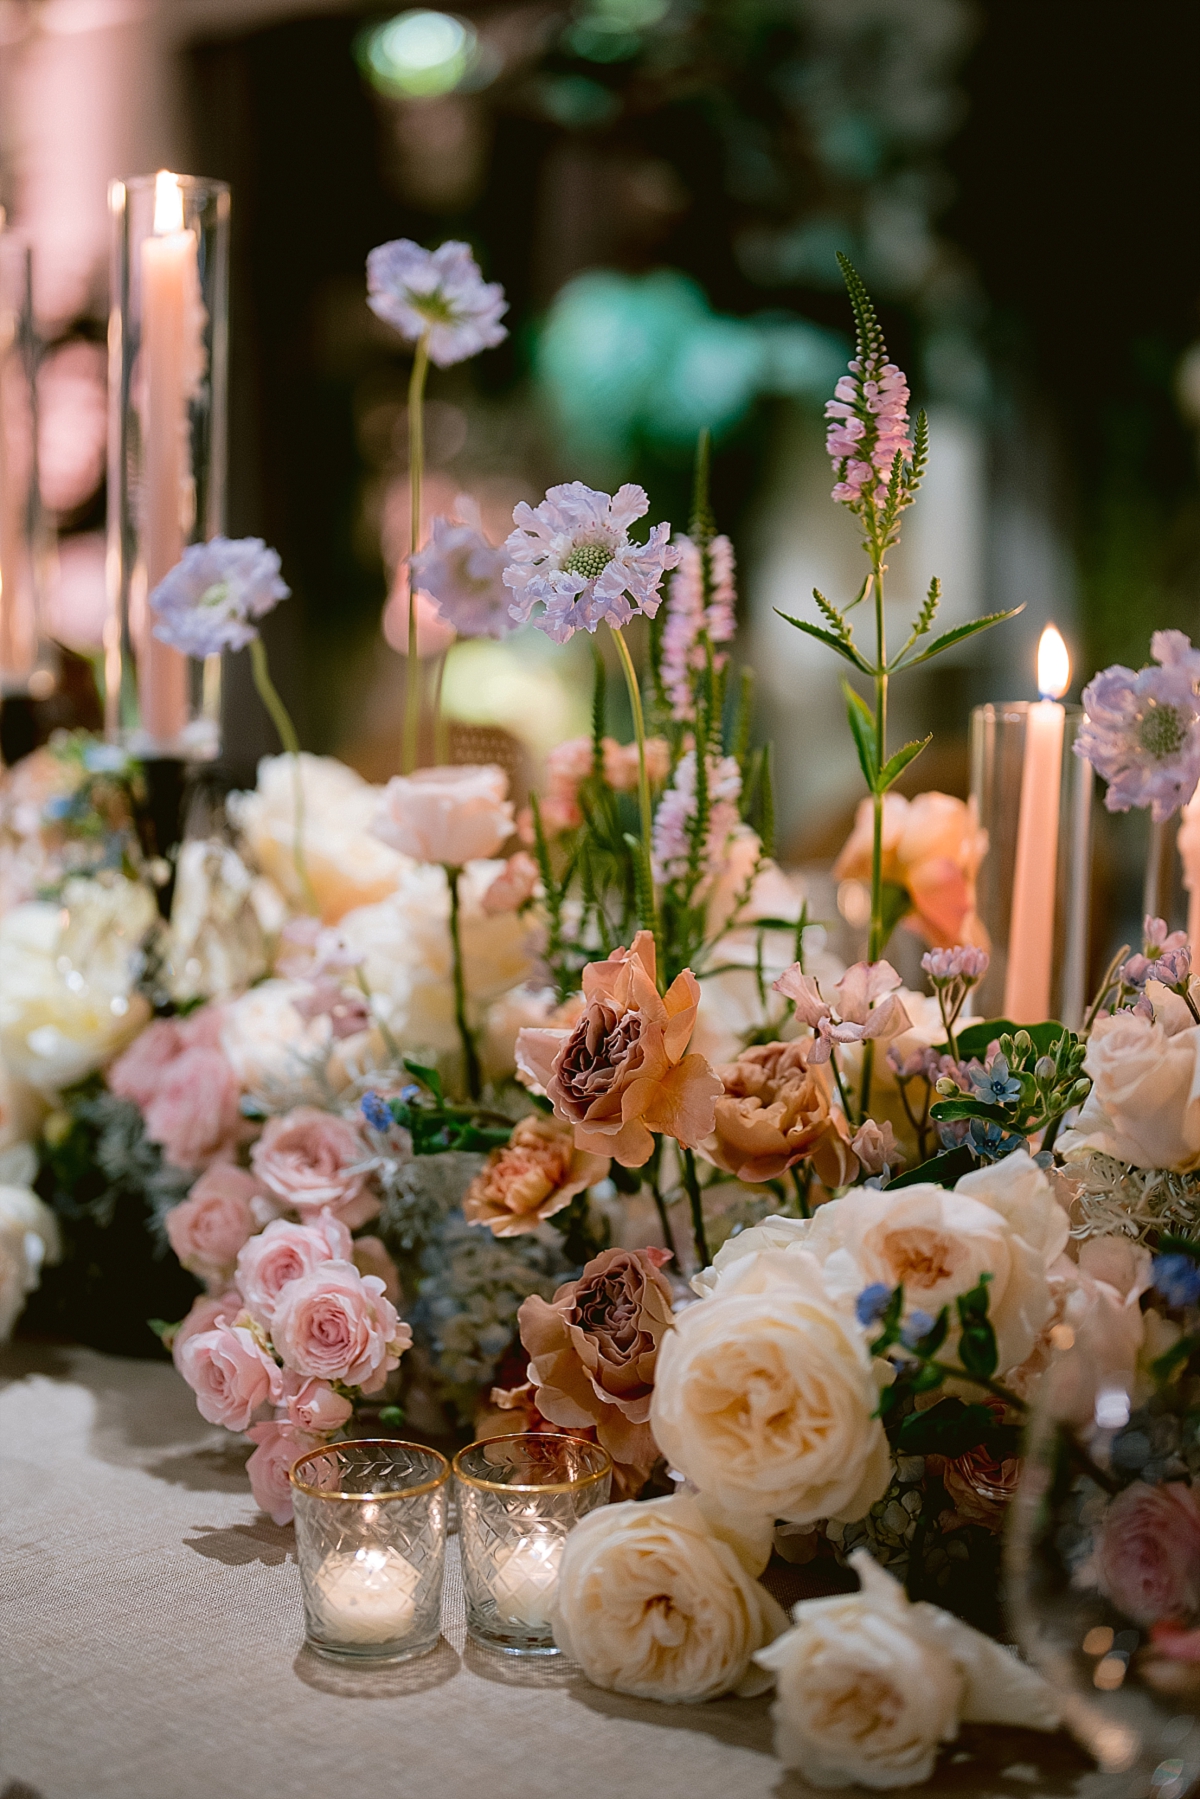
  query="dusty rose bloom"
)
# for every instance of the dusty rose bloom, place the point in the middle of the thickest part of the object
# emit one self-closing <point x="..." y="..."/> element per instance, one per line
<point x="209" y="1227"/>
<point x="313" y="1405"/>
<point x="287" y="1252"/>
<point x="337" y="1324"/>
<point x="1147" y="1553"/>
<point x="593" y="1352"/>
<point x="229" y="1374"/>
<point x="138" y="1074"/>
<point x="979" y="1487"/>
<point x="308" y="1159"/>
<point x="513" y="885"/>
<point x="536" y="1174"/>
<point x="280" y="1447"/>
<point x="774" y="1113"/>
<point x="206" y="1313"/>
<point x="623" y="1071"/>
<point x="876" y="1147"/>
<point x="187" y="1093"/>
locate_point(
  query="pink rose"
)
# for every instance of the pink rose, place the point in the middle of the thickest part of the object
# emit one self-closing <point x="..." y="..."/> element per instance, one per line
<point x="137" y="1075"/>
<point x="451" y="815"/>
<point x="284" y="1253"/>
<point x="370" y="1257"/>
<point x="209" y="1310"/>
<point x="308" y="1159"/>
<point x="280" y="1447"/>
<point x="513" y="885"/>
<point x="209" y="1227"/>
<point x="313" y="1404"/>
<point x="230" y="1375"/>
<point x="195" y="1113"/>
<point x="337" y="1324"/>
<point x="1147" y="1555"/>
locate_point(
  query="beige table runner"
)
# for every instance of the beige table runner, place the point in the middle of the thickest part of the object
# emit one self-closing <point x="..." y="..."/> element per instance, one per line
<point x="152" y="1647"/>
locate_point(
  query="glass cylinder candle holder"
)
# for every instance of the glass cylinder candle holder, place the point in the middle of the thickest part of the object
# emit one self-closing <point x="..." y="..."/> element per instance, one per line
<point x="518" y="1497"/>
<point x="371" y="1544"/>
<point x="1034" y="799"/>
<point x="167" y="393"/>
<point x="27" y="663"/>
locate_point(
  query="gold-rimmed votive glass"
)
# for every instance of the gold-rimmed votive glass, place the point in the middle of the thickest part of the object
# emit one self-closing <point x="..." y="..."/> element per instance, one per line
<point x="518" y="1497"/>
<point x="371" y="1544"/>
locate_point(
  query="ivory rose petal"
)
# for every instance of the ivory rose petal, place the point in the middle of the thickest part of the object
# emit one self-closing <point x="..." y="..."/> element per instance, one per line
<point x="1144" y="1106"/>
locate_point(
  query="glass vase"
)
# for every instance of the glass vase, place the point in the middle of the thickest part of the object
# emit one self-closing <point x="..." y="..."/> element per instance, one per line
<point x="371" y="1544"/>
<point x="1033" y="797"/>
<point x="28" y="672"/>
<point x="518" y="1497"/>
<point x="168" y="329"/>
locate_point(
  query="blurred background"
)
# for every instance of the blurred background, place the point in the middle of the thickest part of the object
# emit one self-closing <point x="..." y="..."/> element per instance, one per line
<point x="661" y="185"/>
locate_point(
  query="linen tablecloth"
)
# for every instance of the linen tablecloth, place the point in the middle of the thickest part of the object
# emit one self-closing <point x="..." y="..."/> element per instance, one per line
<point x="152" y="1647"/>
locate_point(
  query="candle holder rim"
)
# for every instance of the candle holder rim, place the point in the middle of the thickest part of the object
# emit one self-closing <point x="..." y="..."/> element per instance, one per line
<point x="542" y="1436"/>
<point x="1073" y="708"/>
<point x="189" y="183"/>
<point x="377" y="1498"/>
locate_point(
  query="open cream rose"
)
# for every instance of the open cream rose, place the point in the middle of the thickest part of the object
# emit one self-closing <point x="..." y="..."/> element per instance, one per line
<point x="623" y="1071"/>
<point x="932" y="847"/>
<point x="869" y="1686"/>
<point x="1002" y="1220"/>
<point x="766" y="1397"/>
<point x="1144" y="1106"/>
<point x="651" y="1603"/>
<point x="347" y="865"/>
<point x="449" y="815"/>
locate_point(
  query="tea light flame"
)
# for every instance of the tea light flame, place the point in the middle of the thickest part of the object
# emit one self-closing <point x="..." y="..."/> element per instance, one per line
<point x="168" y="203"/>
<point x="1053" y="664"/>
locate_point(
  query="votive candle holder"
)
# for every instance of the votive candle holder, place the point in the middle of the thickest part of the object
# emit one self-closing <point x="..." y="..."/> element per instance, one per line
<point x="518" y="1498"/>
<point x="371" y="1544"/>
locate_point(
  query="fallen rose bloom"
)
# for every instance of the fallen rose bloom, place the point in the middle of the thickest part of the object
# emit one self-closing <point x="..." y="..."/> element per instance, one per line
<point x="775" y="1112"/>
<point x="650" y="1602"/>
<point x="535" y="1175"/>
<point x="869" y="1685"/>
<point x="593" y="1351"/>
<point x="623" y="1071"/>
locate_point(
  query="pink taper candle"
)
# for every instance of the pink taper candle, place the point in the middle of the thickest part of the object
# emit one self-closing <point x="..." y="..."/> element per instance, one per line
<point x="1031" y="928"/>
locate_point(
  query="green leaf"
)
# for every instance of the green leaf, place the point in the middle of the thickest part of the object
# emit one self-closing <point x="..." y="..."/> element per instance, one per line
<point x="895" y="765"/>
<point x="162" y="1330"/>
<point x="889" y="1322"/>
<point x="862" y="729"/>
<point x="703" y="526"/>
<point x="863" y="591"/>
<point x="959" y="634"/>
<point x="428" y="1077"/>
<point x="977" y="1344"/>
<point x="932" y="1341"/>
<point x="1170" y="1244"/>
<point x="947" y="1111"/>
<point x="830" y="641"/>
<point x="973" y="1039"/>
<point x="939" y="1171"/>
<point x="949" y="1428"/>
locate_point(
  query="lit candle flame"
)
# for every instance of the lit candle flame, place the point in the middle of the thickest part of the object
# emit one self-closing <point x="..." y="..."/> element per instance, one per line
<point x="1053" y="665"/>
<point x="168" y="203"/>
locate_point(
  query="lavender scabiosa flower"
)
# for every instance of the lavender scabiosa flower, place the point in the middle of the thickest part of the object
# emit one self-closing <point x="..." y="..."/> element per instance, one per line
<point x="572" y="555"/>
<point x="440" y="292"/>
<point x="689" y="620"/>
<point x="671" y="849"/>
<point x="463" y="574"/>
<point x="214" y="595"/>
<point x="1142" y="729"/>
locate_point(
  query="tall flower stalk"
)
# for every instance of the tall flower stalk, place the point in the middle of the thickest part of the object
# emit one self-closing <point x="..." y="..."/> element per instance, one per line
<point x="471" y="1069"/>
<point x="878" y="469"/>
<point x="416" y="474"/>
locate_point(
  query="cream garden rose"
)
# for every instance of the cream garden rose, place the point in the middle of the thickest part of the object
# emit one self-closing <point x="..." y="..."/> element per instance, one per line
<point x="1144" y="1106"/>
<point x="766" y="1397"/>
<point x="29" y="1238"/>
<point x="869" y="1686"/>
<point x="448" y="815"/>
<point x="651" y="1603"/>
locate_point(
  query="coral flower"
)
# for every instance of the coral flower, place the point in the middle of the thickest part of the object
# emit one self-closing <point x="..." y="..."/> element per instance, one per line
<point x="623" y="1071"/>
<point x="537" y="1173"/>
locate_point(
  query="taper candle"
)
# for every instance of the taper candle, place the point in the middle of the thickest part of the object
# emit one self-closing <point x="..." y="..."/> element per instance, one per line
<point x="1031" y="929"/>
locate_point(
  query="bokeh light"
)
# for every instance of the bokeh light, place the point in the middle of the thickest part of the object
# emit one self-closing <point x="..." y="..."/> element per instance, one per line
<point x="419" y="54"/>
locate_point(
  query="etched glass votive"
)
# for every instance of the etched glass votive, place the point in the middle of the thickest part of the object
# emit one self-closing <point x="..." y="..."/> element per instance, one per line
<point x="371" y="1544"/>
<point x="518" y="1497"/>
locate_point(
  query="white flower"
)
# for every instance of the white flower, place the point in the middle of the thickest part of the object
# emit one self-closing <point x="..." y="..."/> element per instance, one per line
<point x="67" y="973"/>
<point x="461" y="572"/>
<point x="216" y="945"/>
<point x="405" y="945"/>
<point x="437" y="291"/>
<point x="870" y="1685"/>
<point x="1002" y="1220"/>
<point x="766" y="1397"/>
<point x="775" y="1232"/>
<point x="1144" y="1106"/>
<point x="347" y="865"/>
<point x="269" y="1044"/>
<point x="450" y="815"/>
<point x="572" y="555"/>
<point x="28" y="1237"/>
<point x="650" y="1602"/>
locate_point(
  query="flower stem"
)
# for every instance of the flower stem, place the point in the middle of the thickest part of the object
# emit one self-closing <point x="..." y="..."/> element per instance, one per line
<point x="875" y="943"/>
<point x="660" y="1204"/>
<point x="639" y="729"/>
<point x="691" y="1182"/>
<point x="280" y="717"/>
<point x="470" y="1055"/>
<point x="416" y="470"/>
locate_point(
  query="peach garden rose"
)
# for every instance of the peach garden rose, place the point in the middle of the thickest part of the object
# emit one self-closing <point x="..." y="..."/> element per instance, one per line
<point x="534" y="1176"/>
<point x="449" y="815"/>
<point x="775" y="1111"/>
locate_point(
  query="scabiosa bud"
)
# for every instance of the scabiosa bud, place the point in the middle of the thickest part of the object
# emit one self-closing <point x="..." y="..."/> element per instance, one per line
<point x="962" y="963"/>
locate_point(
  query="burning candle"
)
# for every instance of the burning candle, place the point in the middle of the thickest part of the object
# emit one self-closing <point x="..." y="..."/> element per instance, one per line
<point x="366" y="1595"/>
<point x="172" y="372"/>
<point x="525" y="1579"/>
<point x="1031" y="929"/>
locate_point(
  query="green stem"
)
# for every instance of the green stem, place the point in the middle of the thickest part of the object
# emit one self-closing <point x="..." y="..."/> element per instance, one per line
<point x="875" y="943"/>
<point x="948" y="1022"/>
<point x="692" y="1184"/>
<point x="280" y="717"/>
<point x="660" y="1204"/>
<point x="470" y="1055"/>
<point x="639" y="729"/>
<point x="416" y="469"/>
